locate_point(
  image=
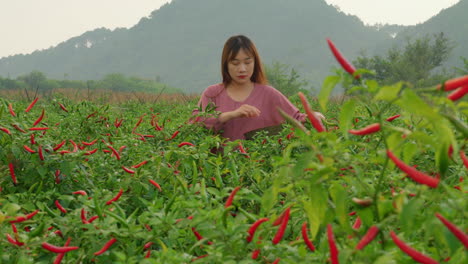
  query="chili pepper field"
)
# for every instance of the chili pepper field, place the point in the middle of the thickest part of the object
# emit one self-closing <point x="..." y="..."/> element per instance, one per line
<point x="383" y="182"/>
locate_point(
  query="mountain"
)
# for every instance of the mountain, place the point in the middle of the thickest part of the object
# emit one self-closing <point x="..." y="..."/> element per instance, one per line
<point x="453" y="22"/>
<point x="181" y="42"/>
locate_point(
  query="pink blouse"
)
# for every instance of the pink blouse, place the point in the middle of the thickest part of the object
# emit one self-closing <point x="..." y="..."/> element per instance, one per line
<point x="263" y="97"/>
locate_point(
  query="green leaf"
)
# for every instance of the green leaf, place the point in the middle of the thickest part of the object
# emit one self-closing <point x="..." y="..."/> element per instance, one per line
<point x="408" y="214"/>
<point x="346" y="116"/>
<point x="442" y="157"/>
<point x="327" y="87"/>
<point x="388" y="93"/>
<point x="338" y="194"/>
<point x="409" y="150"/>
<point x="316" y="208"/>
<point x="412" y="103"/>
<point x="268" y="200"/>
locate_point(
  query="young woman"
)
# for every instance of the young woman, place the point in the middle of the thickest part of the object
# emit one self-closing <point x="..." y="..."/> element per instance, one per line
<point x="244" y="99"/>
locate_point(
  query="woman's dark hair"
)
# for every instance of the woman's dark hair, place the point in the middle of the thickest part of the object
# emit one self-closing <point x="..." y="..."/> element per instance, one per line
<point x="231" y="48"/>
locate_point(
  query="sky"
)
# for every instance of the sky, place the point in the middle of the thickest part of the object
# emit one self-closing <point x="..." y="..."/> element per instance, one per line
<point x="29" y="25"/>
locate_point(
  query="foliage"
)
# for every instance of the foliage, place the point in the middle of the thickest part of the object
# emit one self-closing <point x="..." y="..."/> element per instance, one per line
<point x="415" y="63"/>
<point x="322" y="177"/>
<point x="36" y="83"/>
<point x="278" y="77"/>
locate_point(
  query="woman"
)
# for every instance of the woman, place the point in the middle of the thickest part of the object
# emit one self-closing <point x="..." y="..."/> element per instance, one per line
<point x="244" y="99"/>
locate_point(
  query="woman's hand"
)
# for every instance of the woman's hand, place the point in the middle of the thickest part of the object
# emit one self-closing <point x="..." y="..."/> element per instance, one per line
<point x="244" y="110"/>
<point x="319" y="115"/>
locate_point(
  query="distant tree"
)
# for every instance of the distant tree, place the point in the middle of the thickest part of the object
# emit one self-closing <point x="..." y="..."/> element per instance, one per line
<point x="463" y="70"/>
<point x="33" y="80"/>
<point x="287" y="83"/>
<point x="415" y="63"/>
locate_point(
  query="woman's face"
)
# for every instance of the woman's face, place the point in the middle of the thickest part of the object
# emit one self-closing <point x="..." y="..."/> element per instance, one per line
<point x="241" y="67"/>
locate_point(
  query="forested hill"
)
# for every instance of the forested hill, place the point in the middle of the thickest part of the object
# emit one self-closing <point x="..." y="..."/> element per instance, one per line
<point x="180" y="43"/>
<point x="453" y="22"/>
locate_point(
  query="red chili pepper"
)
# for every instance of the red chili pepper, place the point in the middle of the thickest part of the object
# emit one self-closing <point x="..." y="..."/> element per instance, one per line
<point x="242" y="150"/>
<point x="276" y="261"/>
<point x="87" y="153"/>
<point x="106" y="246"/>
<point x="13" y="227"/>
<point x="368" y="237"/>
<point x="80" y="192"/>
<point x="92" y="218"/>
<point x="231" y="197"/>
<point x="138" y="123"/>
<point x="89" y="143"/>
<point x="254" y="227"/>
<point x="83" y="216"/>
<point x="416" y="255"/>
<point x="58" y="233"/>
<point x="366" y="130"/>
<point x="10" y="108"/>
<point x="195" y="232"/>
<point x="413" y="173"/>
<point x="185" y="144"/>
<point x="200" y="257"/>
<point x="357" y="223"/>
<point x="29" y="216"/>
<point x="331" y="242"/>
<point x="341" y="59"/>
<point x="18" y="128"/>
<point x="5" y="130"/>
<point x="31" y="105"/>
<point x="116" y="153"/>
<point x="255" y="253"/>
<point x="128" y="170"/>
<point x="390" y="119"/>
<point x="115" y="198"/>
<point x="63" y="107"/>
<point x="56" y="249"/>
<point x="458" y="93"/>
<point x="147" y="245"/>
<point x="464" y="158"/>
<point x="155" y="185"/>
<point x="316" y="123"/>
<point x="454" y="229"/>
<point x="454" y="83"/>
<point x="91" y="115"/>
<point x="28" y="149"/>
<point x="14" y="241"/>
<point x="148" y="253"/>
<point x="40" y="118"/>
<point x="41" y="155"/>
<point x="60" y="207"/>
<point x="157" y="127"/>
<point x="59" y="145"/>
<point x="75" y="146"/>
<point x="12" y="173"/>
<point x="140" y="164"/>
<point x="173" y="135"/>
<point x="57" y="176"/>
<point x="38" y="128"/>
<point x="60" y="256"/>
<point x="306" y="237"/>
<point x="279" y="234"/>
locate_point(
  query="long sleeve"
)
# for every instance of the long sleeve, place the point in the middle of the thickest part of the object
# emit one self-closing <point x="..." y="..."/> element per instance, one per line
<point x="210" y="122"/>
<point x="288" y="107"/>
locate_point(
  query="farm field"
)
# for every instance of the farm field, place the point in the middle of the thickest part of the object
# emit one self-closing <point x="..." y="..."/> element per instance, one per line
<point x="138" y="182"/>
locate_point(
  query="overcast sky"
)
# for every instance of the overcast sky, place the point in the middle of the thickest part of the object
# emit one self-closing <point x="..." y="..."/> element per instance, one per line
<point x="28" y="25"/>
